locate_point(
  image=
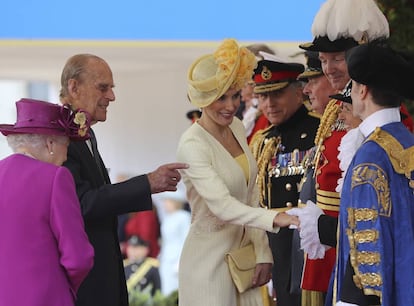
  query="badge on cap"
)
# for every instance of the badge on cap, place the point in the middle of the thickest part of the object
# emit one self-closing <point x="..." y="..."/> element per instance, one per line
<point x="266" y="73"/>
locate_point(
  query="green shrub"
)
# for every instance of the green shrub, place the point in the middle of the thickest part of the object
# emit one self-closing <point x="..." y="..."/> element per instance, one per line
<point x="144" y="298"/>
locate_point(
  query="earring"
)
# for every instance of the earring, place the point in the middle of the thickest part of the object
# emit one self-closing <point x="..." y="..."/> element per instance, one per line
<point x="51" y="153"/>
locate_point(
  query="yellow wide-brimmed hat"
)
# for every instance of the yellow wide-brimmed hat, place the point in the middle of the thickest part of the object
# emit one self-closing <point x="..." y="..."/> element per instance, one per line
<point x="211" y="75"/>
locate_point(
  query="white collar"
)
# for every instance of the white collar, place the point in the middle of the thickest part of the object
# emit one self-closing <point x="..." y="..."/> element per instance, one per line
<point x="378" y="119"/>
<point x="89" y="144"/>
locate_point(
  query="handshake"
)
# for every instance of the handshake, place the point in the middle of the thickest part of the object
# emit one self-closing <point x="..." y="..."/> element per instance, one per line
<point x="308" y="230"/>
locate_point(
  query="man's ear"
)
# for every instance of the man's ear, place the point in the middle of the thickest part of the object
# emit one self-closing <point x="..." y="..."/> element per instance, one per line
<point x="363" y="91"/>
<point x="73" y="87"/>
<point x="299" y="92"/>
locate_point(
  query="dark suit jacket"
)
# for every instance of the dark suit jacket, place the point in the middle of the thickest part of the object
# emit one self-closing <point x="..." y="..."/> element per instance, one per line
<point x="101" y="203"/>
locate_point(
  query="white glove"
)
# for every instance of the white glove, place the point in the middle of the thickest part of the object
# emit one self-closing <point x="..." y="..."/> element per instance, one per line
<point x="340" y="303"/>
<point x="309" y="236"/>
<point x="296" y="211"/>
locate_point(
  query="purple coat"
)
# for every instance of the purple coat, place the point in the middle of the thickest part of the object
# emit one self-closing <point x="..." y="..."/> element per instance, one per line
<point x="44" y="251"/>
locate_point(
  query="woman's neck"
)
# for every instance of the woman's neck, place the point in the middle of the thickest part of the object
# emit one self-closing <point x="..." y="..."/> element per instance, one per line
<point x="224" y="135"/>
<point x="218" y="131"/>
<point x="26" y="151"/>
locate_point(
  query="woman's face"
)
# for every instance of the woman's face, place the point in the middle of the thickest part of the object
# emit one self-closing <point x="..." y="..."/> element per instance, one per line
<point x="347" y="116"/>
<point x="59" y="147"/>
<point x="222" y="111"/>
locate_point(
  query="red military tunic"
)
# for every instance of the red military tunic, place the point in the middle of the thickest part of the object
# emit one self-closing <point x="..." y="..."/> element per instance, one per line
<point x="260" y="124"/>
<point x="317" y="272"/>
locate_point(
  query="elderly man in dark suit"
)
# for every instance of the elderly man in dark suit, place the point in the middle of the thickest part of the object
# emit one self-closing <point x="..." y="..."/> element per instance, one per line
<point x="87" y="83"/>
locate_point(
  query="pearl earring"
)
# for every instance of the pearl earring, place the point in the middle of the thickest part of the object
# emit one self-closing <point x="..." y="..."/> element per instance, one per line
<point x="51" y="153"/>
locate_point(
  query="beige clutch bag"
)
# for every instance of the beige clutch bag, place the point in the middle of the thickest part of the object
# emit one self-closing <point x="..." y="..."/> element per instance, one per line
<point x="242" y="263"/>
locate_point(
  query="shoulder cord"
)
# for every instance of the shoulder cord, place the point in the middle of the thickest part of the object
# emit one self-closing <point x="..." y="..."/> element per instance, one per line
<point x="325" y="128"/>
<point x="263" y="150"/>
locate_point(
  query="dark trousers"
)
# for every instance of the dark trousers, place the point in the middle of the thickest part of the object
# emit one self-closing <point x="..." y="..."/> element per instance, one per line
<point x="281" y="245"/>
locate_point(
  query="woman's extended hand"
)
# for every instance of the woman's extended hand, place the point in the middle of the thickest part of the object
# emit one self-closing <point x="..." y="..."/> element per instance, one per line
<point x="283" y="220"/>
<point x="262" y="274"/>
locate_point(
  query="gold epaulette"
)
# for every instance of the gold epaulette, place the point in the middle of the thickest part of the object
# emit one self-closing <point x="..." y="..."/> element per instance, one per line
<point x="257" y="141"/>
<point x="401" y="159"/>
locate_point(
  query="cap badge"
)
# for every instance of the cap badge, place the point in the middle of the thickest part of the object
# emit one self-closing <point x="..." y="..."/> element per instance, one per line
<point x="266" y="73"/>
<point x="364" y="39"/>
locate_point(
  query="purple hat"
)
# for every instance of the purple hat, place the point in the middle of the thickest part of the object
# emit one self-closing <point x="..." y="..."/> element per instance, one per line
<point x="40" y="117"/>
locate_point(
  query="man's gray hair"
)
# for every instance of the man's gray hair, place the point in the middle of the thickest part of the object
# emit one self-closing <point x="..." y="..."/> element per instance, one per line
<point x="73" y="69"/>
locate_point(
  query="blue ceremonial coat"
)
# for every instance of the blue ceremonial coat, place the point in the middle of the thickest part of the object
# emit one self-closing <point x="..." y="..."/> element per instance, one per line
<point x="376" y="230"/>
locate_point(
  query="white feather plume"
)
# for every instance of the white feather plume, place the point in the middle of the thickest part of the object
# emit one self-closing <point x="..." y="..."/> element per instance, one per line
<point x="350" y="18"/>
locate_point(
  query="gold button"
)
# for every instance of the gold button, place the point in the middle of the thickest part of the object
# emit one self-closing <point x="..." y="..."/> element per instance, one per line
<point x="289" y="204"/>
<point x="288" y="187"/>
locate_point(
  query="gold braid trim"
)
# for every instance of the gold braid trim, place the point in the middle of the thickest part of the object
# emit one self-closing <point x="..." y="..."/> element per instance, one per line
<point x="402" y="159"/>
<point x="368" y="258"/>
<point x="325" y="128"/>
<point x="256" y="143"/>
<point x="269" y="150"/>
<point x="327" y="121"/>
<point x="263" y="150"/>
<point x="362" y="281"/>
<point x="366" y="236"/>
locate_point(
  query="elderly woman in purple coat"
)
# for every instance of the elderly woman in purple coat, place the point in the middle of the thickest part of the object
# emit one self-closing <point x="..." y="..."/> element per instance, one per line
<point x="44" y="251"/>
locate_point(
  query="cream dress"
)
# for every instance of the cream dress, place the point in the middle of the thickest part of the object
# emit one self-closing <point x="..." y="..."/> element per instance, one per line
<point x="221" y="203"/>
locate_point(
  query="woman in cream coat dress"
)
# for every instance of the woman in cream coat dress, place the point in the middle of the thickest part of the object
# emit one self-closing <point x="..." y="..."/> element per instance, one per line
<point x="220" y="185"/>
